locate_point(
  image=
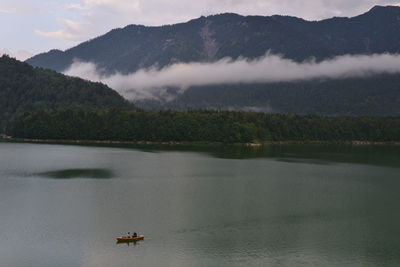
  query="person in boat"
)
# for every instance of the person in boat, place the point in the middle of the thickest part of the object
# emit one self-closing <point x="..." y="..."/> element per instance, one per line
<point x="134" y="234"/>
<point x="129" y="235"/>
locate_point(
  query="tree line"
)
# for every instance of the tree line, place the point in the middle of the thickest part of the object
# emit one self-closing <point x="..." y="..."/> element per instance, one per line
<point x="200" y="126"/>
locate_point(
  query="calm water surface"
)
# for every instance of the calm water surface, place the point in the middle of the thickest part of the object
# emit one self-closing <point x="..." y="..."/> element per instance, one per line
<point x="224" y="206"/>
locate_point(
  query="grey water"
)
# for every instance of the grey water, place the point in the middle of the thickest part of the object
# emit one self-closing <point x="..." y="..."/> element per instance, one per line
<point x="199" y="206"/>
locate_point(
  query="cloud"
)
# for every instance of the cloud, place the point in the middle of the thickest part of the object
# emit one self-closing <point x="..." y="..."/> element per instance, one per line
<point x="20" y="7"/>
<point x="153" y="83"/>
<point x="90" y="18"/>
<point x="61" y="34"/>
<point x="20" y="54"/>
<point x="73" y="31"/>
<point x="113" y="5"/>
<point x="6" y="11"/>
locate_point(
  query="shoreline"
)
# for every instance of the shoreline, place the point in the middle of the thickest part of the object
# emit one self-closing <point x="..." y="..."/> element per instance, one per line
<point x="176" y="143"/>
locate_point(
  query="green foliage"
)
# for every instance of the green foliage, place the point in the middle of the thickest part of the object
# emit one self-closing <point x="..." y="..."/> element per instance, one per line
<point x="200" y="126"/>
<point x="24" y="88"/>
<point x="378" y="95"/>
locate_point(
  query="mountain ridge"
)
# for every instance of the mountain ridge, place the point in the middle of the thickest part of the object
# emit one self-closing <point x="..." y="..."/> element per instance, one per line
<point x="214" y="37"/>
<point x="209" y="39"/>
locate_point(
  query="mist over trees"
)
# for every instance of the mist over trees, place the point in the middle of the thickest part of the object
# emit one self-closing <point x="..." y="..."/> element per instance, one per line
<point x="136" y="48"/>
<point x="24" y="88"/>
<point x="370" y="96"/>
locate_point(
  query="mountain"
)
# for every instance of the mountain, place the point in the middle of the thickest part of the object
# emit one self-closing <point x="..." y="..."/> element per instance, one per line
<point x="24" y="88"/>
<point x="208" y="39"/>
<point x="230" y="35"/>
<point x="372" y="96"/>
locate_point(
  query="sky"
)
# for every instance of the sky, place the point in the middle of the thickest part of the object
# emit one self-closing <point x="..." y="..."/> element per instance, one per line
<point x="29" y="27"/>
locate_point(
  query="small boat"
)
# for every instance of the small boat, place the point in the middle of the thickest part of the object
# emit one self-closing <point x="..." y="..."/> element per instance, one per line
<point x="124" y="239"/>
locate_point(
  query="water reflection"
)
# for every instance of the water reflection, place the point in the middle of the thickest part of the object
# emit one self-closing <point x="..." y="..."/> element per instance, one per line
<point x="379" y="155"/>
<point x="372" y="155"/>
<point x="78" y="173"/>
<point x="128" y="243"/>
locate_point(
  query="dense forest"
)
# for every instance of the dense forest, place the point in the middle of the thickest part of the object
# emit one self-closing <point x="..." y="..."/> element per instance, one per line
<point x="24" y="88"/>
<point x="378" y="95"/>
<point x="42" y="104"/>
<point x="200" y="126"/>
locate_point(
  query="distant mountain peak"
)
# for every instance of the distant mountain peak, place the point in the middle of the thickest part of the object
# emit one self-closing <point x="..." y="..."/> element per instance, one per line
<point x="379" y="8"/>
<point x="210" y="38"/>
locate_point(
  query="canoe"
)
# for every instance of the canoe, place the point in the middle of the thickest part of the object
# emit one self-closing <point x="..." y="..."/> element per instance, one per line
<point x="130" y="239"/>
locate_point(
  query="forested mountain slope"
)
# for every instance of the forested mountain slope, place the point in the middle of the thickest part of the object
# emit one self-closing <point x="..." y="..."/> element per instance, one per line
<point x="24" y="88"/>
<point x="372" y="96"/>
<point x="208" y="39"/>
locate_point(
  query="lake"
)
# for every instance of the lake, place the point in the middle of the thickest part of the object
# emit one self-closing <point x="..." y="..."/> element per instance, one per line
<point x="290" y="205"/>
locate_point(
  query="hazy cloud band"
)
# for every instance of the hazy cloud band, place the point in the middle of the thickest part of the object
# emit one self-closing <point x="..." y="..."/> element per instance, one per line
<point x="152" y="82"/>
